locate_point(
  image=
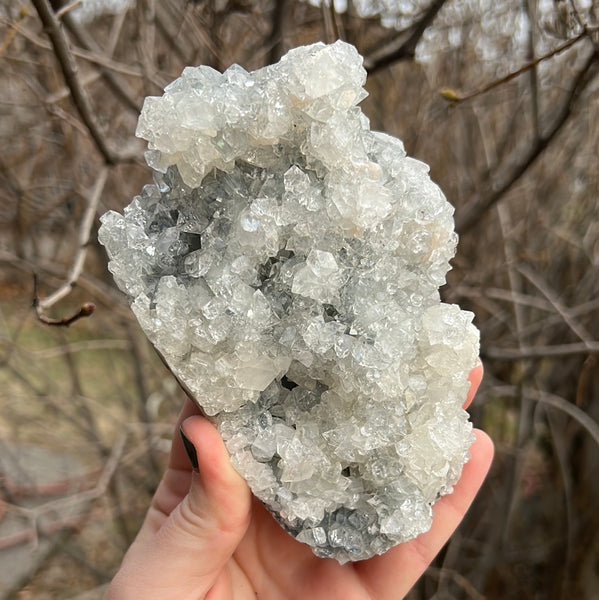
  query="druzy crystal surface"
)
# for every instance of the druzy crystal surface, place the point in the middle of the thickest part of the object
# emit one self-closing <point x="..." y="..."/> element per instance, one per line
<point x="286" y="263"/>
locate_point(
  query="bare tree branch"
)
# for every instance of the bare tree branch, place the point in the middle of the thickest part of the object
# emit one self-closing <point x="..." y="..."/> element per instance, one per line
<point x="331" y="30"/>
<point x="85" y="226"/>
<point x="473" y="212"/>
<point x="551" y="296"/>
<point x="406" y="48"/>
<point x="86" y="310"/>
<point x="275" y="39"/>
<point x="555" y="401"/>
<point x="70" y="73"/>
<point x="92" y="57"/>
<point x="459" y="579"/>
<point x="455" y="96"/>
<point x="533" y="78"/>
<point x="539" y="351"/>
<point x="85" y="40"/>
<point x="67" y="8"/>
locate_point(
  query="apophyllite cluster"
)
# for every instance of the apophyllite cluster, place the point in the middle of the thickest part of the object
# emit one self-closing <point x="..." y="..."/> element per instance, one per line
<point x="286" y="263"/>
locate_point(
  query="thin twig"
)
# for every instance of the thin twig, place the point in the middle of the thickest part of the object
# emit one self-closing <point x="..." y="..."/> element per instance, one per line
<point x="563" y="460"/>
<point x="454" y="96"/>
<point x="589" y="425"/>
<point x="83" y="497"/>
<point x="539" y="351"/>
<point x="510" y="252"/>
<point x="86" y="346"/>
<point x="533" y="75"/>
<point x="84" y="39"/>
<point x="86" y="310"/>
<point x="10" y="36"/>
<point x="146" y="46"/>
<point x="275" y="40"/>
<point x="85" y="226"/>
<point x="32" y="534"/>
<point x="459" y="579"/>
<point x="92" y="57"/>
<point x="98" y="288"/>
<point x="69" y="70"/>
<point x="67" y="8"/>
<point x="170" y="37"/>
<point x="331" y="30"/>
<point x="407" y="48"/>
<point x="551" y="296"/>
<point x="502" y="294"/>
<point x="474" y="211"/>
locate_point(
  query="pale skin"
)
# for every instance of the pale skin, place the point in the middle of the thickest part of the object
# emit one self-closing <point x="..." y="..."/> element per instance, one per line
<point x="206" y="537"/>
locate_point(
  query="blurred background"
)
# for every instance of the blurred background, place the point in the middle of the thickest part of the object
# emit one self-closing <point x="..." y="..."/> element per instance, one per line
<point x="500" y="97"/>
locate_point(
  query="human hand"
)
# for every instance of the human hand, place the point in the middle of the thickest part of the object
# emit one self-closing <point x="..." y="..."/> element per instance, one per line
<point x="205" y="536"/>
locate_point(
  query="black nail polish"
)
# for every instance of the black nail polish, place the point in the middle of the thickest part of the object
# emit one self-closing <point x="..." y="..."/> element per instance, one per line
<point x="190" y="449"/>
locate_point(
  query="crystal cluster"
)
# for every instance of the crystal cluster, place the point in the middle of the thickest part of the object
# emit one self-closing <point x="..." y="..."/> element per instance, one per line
<point x="286" y="263"/>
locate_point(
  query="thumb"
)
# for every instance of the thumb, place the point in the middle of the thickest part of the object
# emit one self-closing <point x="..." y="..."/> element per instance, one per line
<point x="211" y="520"/>
<point x="216" y="509"/>
<point x="185" y="555"/>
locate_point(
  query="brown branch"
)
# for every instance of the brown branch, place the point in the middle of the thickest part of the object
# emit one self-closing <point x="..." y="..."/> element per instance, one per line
<point x="83" y="497"/>
<point x="552" y="298"/>
<point x="170" y="36"/>
<point x="67" y="8"/>
<point x="331" y="30"/>
<point x="454" y="96"/>
<point x="32" y="534"/>
<point x="10" y="36"/>
<point x="86" y="310"/>
<point x="72" y="347"/>
<point x="533" y="75"/>
<point x="174" y="32"/>
<point x="407" y="48"/>
<point x="459" y="579"/>
<point x="502" y="294"/>
<point x="92" y="57"/>
<point x="85" y="40"/>
<point x="581" y="417"/>
<point x="539" y="351"/>
<point x="108" y="294"/>
<point x="146" y="46"/>
<point x="473" y="212"/>
<point x="78" y="262"/>
<point x="69" y="70"/>
<point x="275" y="40"/>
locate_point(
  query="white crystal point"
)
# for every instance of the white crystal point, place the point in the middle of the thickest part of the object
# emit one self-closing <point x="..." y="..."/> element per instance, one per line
<point x="286" y="263"/>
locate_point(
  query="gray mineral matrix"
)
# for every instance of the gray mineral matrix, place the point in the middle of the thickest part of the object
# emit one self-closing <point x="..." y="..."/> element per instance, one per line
<point x="286" y="263"/>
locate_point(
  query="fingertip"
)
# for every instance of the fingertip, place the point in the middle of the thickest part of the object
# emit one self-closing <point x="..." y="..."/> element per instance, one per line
<point x="221" y="484"/>
<point x="475" y="377"/>
<point x="483" y="450"/>
<point x="473" y="473"/>
<point x="450" y="510"/>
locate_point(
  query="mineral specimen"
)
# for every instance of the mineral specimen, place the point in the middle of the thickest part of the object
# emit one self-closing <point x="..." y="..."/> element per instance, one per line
<point x="286" y="263"/>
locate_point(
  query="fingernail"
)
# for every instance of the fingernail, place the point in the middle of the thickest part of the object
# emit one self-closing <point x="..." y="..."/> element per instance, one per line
<point x="190" y="449"/>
